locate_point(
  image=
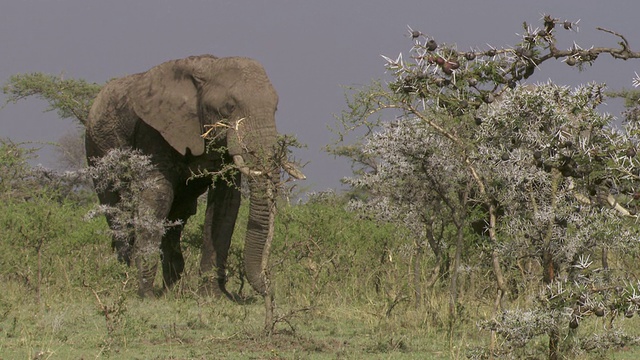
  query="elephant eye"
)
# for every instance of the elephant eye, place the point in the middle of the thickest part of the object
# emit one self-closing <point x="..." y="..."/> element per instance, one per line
<point x="227" y="109"/>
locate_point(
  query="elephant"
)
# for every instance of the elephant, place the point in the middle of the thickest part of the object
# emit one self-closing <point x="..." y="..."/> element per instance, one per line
<point x="163" y="113"/>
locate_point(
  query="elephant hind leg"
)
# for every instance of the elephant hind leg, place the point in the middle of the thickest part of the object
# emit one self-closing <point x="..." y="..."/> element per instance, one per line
<point x="184" y="206"/>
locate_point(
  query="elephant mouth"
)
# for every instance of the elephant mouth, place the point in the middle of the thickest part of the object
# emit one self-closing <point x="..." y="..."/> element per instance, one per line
<point x="290" y="168"/>
<point x="243" y="168"/>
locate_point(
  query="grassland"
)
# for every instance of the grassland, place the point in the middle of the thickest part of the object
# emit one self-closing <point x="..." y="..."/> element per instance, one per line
<point x="72" y="323"/>
<point x="343" y="291"/>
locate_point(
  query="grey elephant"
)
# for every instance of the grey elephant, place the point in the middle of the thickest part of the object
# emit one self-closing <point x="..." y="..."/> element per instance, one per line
<point x="163" y="113"/>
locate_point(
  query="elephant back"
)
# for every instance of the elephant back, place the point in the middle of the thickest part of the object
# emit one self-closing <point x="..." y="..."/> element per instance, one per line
<point x="111" y="122"/>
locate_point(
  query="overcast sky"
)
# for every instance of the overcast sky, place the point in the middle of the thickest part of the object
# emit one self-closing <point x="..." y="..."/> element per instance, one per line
<point x="310" y="49"/>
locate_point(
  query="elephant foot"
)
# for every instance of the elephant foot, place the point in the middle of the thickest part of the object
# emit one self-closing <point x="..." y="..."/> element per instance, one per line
<point x="210" y="289"/>
<point x="170" y="280"/>
<point x="146" y="293"/>
<point x="146" y="275"/>
<point x="171" y="273"/>
<point x="123" y="251"/>
<point x="239" y="299"/>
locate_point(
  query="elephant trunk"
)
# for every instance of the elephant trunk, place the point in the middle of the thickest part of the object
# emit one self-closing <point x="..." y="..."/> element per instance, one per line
<point x="259" y="235"/>
<point x="251" y="142"/>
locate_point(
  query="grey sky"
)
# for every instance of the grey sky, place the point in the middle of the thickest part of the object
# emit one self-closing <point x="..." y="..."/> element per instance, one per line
<point x="309" y="49"/>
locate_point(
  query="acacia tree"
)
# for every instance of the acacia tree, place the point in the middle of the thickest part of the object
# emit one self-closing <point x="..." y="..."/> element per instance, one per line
<point x="465" y="132"/>
<point x="70" y="98"/>
<point x="416" y="185"/>
<point x="559" y="170"/>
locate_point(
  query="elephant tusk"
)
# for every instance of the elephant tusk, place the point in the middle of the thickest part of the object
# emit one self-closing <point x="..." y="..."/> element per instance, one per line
<point x="244" y="169"/>
<point x="293" y="171"/>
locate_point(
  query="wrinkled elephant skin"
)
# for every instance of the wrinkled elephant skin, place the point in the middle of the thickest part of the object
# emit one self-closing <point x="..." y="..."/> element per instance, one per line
<point x="163" y="113"/>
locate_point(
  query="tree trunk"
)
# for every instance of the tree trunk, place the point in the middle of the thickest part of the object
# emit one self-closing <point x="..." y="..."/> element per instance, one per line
<point x="439" y="251"/>
<point x="497" y="271"/>
<point x="39" y="283"/>
<point x="453" y="290"/>
<point x="417" y="286"/>
<point x="495" y="259"/>
<point x="548" y="269"/>
<point x="460" y="224"/>
<point x="548" y="263"/>
<point x="548" y="278"/>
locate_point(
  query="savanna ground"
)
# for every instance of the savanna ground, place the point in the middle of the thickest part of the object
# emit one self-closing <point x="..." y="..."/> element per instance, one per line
<point x="341" y="292"/>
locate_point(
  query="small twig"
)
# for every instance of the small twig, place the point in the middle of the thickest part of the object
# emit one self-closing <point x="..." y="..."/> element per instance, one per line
<point x="103" y="308"/>
<point x="285" y="318"/>
<point x="95" y="294"/>
<point x="221" y="124"/>
<point x="397" y="300"/>
<point x="126" y="280"/>
<point x="625" y="43"/>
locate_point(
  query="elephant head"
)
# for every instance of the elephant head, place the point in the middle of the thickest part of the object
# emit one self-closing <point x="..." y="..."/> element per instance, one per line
<point x="183" y="98"/>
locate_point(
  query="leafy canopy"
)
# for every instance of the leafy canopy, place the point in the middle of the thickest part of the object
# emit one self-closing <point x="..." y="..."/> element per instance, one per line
<point x="70" y="98"/>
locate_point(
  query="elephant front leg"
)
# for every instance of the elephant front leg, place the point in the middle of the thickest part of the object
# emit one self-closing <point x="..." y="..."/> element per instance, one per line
<point x="147" y="268"/>
<point x="121" y="241"/>
<point x="150" y="227"/>
<point x="223" y="202"/>
<point x="172" y="259"/>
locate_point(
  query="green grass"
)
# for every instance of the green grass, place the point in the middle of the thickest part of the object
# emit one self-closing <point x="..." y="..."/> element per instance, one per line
<point x="191" y="327"/>
<point x="332" y="291"/>
<point x="69" y="320"/>
<point x="72" y="325"/>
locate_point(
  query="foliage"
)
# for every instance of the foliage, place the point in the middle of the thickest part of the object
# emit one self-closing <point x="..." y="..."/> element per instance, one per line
<point x="340" y="278"/>
<point x="70" y="98"/>
<point x="70" y="150"/>
<point x="13" y="168"/>
<point x="20" y="181"/>
<point x="127" y="173"/>
<point x="332" y="247"/>
<point x="459" y="82"/>
<point x="40" y="219"/>
<point x="630" y="97"/>
<point x="551" y="178"/>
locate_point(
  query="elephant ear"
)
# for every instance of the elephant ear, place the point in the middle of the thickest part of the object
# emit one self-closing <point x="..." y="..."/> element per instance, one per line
<point x="165" y="97"/>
